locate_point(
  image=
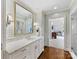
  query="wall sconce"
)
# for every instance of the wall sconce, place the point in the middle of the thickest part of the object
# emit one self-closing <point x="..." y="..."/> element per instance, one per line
<point x="36" y="24"/>
<point x="37" y="28"/>
<point x="9" y="20"/>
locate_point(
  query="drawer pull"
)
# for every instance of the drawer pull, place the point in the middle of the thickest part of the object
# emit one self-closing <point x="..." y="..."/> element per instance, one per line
<point x="23" y="50"/>
<point x="35" y="47"/>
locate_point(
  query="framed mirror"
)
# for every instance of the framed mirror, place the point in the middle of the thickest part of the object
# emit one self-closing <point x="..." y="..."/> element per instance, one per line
<point x="23" y="20"/>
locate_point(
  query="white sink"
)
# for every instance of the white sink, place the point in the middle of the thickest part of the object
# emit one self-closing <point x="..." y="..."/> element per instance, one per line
<point x="30" y="38"/>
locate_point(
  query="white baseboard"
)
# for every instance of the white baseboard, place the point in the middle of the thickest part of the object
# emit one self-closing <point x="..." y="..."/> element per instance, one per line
<point x="73" y="55"/>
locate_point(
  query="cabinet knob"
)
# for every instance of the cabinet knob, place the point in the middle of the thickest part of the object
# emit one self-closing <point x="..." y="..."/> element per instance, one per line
<point x="24" y="57"/>
<point x="35" y="47"/>
<point x="23" y="50"/>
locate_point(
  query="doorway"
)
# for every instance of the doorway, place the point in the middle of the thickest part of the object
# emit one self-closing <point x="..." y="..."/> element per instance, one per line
<point x="56" y="32"/>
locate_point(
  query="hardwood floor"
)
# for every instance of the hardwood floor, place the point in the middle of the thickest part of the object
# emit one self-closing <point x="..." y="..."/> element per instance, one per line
<point x="54" y="53"/>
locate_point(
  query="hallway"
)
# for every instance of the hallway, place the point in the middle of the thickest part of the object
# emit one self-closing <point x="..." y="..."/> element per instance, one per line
<point x="31" y="30"/>
<point x="54" y="53"/>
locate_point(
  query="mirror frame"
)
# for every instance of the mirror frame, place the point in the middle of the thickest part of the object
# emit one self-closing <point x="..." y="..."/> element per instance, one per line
<point x="26" y="8"/>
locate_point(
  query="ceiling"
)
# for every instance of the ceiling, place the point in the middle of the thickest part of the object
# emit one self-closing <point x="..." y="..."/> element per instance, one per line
<point x="48" y="4"/>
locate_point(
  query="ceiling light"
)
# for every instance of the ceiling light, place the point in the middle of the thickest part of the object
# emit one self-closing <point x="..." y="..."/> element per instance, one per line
<point x="55" y="7"/>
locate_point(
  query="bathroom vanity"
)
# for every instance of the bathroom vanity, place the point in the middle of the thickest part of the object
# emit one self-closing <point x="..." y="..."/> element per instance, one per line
<point x="25" y="49"/>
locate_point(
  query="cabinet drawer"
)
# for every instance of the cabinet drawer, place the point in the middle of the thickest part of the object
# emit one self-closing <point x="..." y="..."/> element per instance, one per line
<point x="19" y="54"/>
<point x="20" y="51"/>
<point x="31" y="51"/>
<point x="42" y="43"/>
<point x="22" y="56"/>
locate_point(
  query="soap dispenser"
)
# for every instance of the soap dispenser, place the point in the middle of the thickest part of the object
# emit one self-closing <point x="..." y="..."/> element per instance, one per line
<point x="38" y="31"/>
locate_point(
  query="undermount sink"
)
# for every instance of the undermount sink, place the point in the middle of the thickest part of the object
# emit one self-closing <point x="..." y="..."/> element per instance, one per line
<point x="31" y="38"/>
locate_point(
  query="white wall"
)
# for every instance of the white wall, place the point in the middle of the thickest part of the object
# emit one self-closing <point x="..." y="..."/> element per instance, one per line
<point x="74" y="32"/>
<point x="3" y="28"/>
<point x="10" y="11"/>
<point x="40" y="21"/>
<point x="46" y="31"/>
<point x="67" y="41"/>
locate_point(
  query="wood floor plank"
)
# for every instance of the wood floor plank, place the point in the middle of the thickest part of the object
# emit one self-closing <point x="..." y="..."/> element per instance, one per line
<point x="54" y="53"/>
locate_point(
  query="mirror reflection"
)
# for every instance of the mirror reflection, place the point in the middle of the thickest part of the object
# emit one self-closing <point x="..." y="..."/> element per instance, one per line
<point x="23" y="20"/>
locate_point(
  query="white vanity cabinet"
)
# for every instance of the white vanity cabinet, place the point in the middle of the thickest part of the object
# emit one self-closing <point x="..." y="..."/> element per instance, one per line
<point x="30" y="51"/>
<point x="18" y="54"/>
<point x="39" y="47"/>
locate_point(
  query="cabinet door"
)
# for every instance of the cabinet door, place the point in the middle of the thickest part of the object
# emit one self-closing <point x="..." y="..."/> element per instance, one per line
<point x="37" y="49"/>
<point x="42" y="44"/>
<point x="20" y="54"/>
<point x="31" y="51"/>
<point x="19" y="57"/>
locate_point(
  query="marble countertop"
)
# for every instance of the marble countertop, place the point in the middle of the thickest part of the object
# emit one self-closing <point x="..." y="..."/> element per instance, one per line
<point x="15" y="45"/>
